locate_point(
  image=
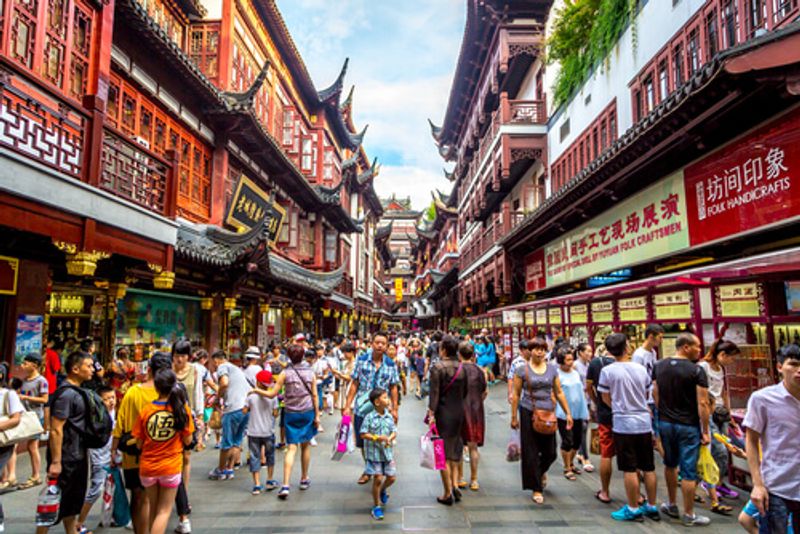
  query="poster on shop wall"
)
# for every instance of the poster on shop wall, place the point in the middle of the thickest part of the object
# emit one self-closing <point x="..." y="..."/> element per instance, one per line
<point x="29" y="336"/>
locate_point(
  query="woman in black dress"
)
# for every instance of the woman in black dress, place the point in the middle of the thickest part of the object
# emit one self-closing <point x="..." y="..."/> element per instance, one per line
<point x="474" y="427"/>
<point x="448" y="385"/>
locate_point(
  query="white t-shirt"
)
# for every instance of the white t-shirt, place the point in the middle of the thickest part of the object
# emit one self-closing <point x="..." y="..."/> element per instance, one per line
<point x="774" y="413"/>
<point x="14" y="404"/>
<point x="250" y="373"/>
<point x="628" y="384"/>
<point x="238" y="388"/>
<point x="716" y="382"/>
<point x="321" y="366"/>
<point x="261" y="421"/>
<point x="647" y="358"/>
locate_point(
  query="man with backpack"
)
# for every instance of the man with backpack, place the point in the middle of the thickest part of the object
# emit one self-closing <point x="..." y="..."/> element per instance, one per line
<point x="78" y="420"/>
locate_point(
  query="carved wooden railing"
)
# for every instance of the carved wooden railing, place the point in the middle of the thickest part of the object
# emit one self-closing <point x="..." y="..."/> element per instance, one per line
<point x="40" y="127"/>
<point x="134" y="173"/>
<point x="345" y="287"/>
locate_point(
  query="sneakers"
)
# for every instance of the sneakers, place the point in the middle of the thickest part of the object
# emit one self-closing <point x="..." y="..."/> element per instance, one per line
<point x="626" y="514"/>
<point x="695" y="520"/>
<point x="305" y="484"/>
<point x="184" y="527"/>
<point x="228" y="473"/>
<point x="670" y="510"/>
<point x="313" y="442"/>
<point x="377" y="513"/>
<point x="384" y="497"/>
<point x="727" y="493"/>
<point x="216" y="474"/>
<point x="256" y="490"/>
<point x="270" y="485"/>
<point x="651" y="512"/>
<point x="283" y="493"/>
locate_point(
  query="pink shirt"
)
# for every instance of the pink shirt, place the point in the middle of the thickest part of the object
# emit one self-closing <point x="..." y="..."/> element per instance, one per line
<point x="774" y="413"/>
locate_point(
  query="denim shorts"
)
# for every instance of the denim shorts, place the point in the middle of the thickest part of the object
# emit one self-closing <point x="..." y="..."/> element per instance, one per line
<point x="681" y="447"/>
<point x="233" y="426"/>
<point x="388" y="469"/>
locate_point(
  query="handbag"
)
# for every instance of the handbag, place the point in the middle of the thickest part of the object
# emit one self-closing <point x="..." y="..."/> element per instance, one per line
<point x="28" y="427"/>
<point x="594" y="446"/>
<point x="215" y="421"/>
<point x="431" y="450"/>
<point x="544" y="421"/>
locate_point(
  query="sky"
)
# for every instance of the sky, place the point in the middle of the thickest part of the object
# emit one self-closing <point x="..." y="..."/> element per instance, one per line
<point x="402" y="57"/>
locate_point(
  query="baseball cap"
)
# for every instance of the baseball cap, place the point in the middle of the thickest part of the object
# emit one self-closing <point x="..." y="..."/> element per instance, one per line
<point x="264" y="377"/>
<point x="252" y="352"/>
<point x="300" y="337"/>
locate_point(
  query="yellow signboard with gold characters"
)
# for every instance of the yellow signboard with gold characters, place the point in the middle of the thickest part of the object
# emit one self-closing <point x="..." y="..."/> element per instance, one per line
<point x="250" y="205"/>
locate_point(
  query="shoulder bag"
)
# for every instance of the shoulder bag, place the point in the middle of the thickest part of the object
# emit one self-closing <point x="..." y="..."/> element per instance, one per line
<point x="29" y="426"/>
<point x="544" y="421"/>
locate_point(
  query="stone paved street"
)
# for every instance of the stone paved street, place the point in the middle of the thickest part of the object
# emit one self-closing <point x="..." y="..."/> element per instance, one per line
<point x="336" y="504"/>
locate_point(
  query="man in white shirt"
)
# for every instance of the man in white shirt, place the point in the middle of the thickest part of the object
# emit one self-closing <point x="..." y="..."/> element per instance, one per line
<point x="773" y="422"/>
<point x="646" y="356"/>
<point x="624" y="386"/>
<point x="253" y="357"/>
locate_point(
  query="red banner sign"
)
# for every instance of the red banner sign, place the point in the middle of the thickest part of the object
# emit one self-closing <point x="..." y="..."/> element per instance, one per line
<point x="749" y="184"/>
<point x="534" y="271"/>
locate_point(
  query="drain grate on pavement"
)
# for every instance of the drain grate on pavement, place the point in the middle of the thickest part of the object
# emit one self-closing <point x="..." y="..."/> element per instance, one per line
<point x="419" y="518"/>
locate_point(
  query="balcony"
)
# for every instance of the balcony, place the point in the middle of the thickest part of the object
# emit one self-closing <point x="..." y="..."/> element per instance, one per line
<point x="345" y="287"/>
<point x="514" y="140"/>
<point x="483" y="240"/>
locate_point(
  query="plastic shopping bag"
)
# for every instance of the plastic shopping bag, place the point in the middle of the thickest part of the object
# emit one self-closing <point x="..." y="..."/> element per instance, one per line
<point x="344" y="435"/>
<point x="514" y="448"/>
<point x="707" y="468"/>
<point x="431" y="451"/>
<point x="594" y="442"/>
<point x="122" y="511"/>
<point x="107" y="509"/>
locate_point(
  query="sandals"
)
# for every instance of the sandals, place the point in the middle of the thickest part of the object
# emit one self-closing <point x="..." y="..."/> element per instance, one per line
<point x="699" y="499"/>
<point x="8" y="484"/>
<point x="363" y="479"/>
<point x="462" y="484"/>
<point x="537" y="498"/>
<point x="474" y="486"/>
<point x="721" y="509"/>
<point x="599" y="498"/>
<point x="569" y="475"/>
<point x="588" y="467"/>
<point x="31" y="482"/>
<point x="577" y="470"/>
<point x="84" y="530"/>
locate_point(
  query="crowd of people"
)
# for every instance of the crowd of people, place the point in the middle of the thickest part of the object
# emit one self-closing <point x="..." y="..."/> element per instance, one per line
<point x="147" y="420"/>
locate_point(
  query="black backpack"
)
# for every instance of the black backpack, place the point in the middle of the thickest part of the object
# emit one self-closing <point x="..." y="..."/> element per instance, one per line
<point x="97" y="421"/>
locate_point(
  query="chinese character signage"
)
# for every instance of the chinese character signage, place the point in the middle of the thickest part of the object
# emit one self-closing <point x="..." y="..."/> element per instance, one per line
<point x="554" y="314"/>
<point x="579" y="314"/>
<point x="534" y="271"/>
<point x="649" y="225"/>
<point x="633" y="309"/>
<point x="512" y="317"/>
<point x="541" y="317"/>
<point x="675" y="305"/>
<point x="250" y="204"/>
<point x="746" y="185"/>
<point x="739" y="300"/>
<point x="603" y="312"/>
<point x="398" y="289"/>
<point x="9" y="269"/>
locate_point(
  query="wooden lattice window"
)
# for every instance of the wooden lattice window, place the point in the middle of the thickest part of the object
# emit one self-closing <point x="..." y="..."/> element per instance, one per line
<point x="204" y="48"/>
<point x="52" y="39"/>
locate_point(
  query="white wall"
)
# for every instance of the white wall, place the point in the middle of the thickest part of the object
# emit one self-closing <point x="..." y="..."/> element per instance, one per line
<point x="655" y="25"/>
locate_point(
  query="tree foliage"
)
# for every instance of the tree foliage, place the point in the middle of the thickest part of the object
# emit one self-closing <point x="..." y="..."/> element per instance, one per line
<point x="584" y="33"/>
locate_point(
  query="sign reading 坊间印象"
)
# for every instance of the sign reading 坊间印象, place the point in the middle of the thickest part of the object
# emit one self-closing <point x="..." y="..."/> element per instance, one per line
<point x="748" y="184"/>
<point x="250" y="204"/>
<point x="745" y="186"/>
<point x="646" y="226"/>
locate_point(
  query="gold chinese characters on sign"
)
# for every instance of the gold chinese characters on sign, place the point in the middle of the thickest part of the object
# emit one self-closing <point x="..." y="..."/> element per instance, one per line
<point x="250" y="205"/>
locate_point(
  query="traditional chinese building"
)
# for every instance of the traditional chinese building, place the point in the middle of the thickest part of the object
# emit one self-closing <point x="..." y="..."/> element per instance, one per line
<point x="171" y="170"/>
<point x="671" y="191"/>
<point x="495" y="134"/>
<point x="398" y="280"/>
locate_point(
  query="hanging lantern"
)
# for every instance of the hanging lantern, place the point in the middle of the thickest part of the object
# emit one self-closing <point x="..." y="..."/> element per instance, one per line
<point x="336" y="314"/>
<point x="80" y="262"/>
<point x="117" y="291"/>
<point x="307" y="315"/>
<point x="264" y="308"/>
<point x="206" y="303"/>
<point x="326" y="312"/>
<point x="289" y="313"/>
<point x="230" y="303"/>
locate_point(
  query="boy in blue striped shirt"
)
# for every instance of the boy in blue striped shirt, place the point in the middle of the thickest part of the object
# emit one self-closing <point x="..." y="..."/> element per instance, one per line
<point x="379" y="432"/>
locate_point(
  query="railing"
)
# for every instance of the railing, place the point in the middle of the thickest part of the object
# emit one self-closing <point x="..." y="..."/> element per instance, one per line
<point x="134" y="174"/>
<point x="345" y="287"/>
<point x="525" y="112"/>
<point x="40" y="127"/>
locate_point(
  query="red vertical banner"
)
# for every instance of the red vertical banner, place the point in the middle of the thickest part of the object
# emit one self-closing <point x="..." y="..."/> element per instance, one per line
<point x="751" y="183"/>
<point x="534" y="271"/>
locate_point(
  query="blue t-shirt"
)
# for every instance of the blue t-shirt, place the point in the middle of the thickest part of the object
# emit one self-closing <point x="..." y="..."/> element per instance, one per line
<point x="572" y="385"/>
